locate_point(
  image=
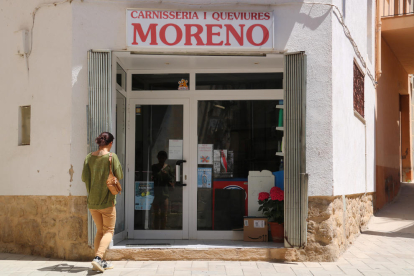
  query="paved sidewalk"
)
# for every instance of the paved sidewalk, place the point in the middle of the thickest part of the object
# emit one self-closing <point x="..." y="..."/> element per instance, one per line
<point x="386" y="248"/>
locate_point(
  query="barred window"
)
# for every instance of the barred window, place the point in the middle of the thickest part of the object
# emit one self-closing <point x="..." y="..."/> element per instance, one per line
<point x="358" y="90"/>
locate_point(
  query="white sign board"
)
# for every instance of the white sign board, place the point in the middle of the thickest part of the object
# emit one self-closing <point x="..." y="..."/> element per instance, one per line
<point x="175" y="150"/>
<point x="197" y="29"/>
<point x="258" y="182"/>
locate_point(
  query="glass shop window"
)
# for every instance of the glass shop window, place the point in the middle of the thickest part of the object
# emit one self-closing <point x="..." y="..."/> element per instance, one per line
<point x="234" y="137"/>
<point x="239" y="81"/>
<point x="160" y="82"/>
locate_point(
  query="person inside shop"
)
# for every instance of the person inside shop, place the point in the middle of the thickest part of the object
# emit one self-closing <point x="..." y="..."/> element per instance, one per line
<point x="163" y="177"/>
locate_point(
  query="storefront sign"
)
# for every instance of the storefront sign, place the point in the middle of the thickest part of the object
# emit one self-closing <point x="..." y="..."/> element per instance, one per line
<point x="189" y="29"/>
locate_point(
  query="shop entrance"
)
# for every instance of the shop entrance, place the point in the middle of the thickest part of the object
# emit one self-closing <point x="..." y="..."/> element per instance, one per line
<point x="159" y="144"/>
<point x="195" y="129"/>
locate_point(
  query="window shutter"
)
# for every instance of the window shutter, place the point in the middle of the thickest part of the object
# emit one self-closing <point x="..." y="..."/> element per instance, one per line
<point x="99" y="109"/>
<point x="295" y="177"/>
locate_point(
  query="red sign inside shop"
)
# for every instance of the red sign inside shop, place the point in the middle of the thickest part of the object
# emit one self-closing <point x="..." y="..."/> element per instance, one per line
<point x="191" y="29"/>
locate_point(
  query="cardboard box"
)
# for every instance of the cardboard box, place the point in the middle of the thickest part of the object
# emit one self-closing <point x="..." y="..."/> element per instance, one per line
<point x="255" y="229"/>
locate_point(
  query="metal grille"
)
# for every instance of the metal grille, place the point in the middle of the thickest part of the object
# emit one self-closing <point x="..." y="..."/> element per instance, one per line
<point x="296" y="179"/>
<point x="358" y="90"/>
<point x="99" y="113"/>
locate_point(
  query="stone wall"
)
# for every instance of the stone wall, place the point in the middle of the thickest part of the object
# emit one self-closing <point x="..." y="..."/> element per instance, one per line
<point x="49" y="226"/>
<point x="333" y="225"/>
<point x="56" y="227"/>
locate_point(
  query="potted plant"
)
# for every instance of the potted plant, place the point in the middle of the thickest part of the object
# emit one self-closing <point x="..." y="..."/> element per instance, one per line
<point x="272" y="207"/>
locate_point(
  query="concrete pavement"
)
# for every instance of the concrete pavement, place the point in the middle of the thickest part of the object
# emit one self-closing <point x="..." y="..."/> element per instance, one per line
<point x="386" y="248"/>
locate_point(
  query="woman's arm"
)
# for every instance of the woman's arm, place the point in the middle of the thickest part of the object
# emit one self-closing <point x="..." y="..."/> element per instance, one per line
<point x="117" y="168"/>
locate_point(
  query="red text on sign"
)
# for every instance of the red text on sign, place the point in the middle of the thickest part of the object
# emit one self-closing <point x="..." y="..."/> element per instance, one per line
<point x="213" y="34"/>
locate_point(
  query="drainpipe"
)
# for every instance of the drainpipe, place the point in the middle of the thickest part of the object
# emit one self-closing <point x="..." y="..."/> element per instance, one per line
<point x="366" y="169"/>
<point x="365" y="130"/>
<point x="378" y="71"/>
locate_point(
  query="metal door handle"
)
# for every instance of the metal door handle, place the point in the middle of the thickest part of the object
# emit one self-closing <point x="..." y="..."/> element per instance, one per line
<point x="178" y="173"/>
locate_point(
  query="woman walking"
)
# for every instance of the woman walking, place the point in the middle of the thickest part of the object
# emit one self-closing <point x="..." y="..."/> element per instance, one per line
<point x="101" y="202"/>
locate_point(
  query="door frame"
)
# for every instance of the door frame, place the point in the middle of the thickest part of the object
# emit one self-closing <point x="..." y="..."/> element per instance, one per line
<point x="115" y="89"/>
<point x="192" y="96"/>
<point x="130" y="156"/>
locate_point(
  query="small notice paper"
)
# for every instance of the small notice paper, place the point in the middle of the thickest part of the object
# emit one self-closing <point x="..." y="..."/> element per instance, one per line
<point x="175" y="150"/>
<point x="259" y="224"/>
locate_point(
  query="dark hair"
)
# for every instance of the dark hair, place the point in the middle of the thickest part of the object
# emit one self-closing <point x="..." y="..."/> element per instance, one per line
<point x="162" y="154"/>
<point x="105" y="138"/>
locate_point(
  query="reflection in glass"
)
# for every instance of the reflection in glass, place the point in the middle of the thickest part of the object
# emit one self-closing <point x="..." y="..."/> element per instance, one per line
<point x="245" y="136"/>
<point x="164" y="178"/>
<point x="238" y="81"/>
<point x="160" y="81"/>
<point x="158" y="201"/>
<point x="120" y="151"/>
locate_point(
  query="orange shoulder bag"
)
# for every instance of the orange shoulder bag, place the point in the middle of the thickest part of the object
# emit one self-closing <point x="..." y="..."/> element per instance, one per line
<point x="112" y="182"/>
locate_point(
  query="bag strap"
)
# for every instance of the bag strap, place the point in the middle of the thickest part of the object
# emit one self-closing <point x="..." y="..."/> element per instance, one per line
<point x="110" y="163"/>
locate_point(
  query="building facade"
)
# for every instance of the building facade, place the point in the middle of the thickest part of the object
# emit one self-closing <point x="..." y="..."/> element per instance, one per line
<point x="250" y="96"/>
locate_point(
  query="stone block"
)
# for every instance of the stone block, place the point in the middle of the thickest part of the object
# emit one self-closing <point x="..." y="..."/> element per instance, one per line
<point x="78" y="205"/>
<point x="16" y="210"/>
<point x="70" y="229"/>
<point x="331" y="229"/>
<point x="5" y="205"/>
<point x="60" y="252"/>
<point x="48" y="223"/>
<point x="49" y="240"/>
<point x="50" y="226"/>
<point x="29" y="207"/>
<point x="59" y="205"/>
<point x="27" y="232"/>
<point x="6" y="233"/>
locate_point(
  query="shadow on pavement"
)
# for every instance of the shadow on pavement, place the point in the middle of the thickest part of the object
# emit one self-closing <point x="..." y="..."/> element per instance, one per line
<point x="397" y="218"/>
<point x="65" y="268"/>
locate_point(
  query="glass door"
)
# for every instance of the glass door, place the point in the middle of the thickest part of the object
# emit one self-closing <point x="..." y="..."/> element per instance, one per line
<point x="158" y="175"/>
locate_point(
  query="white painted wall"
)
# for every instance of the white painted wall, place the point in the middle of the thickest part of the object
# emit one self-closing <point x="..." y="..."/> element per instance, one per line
<point x="348" y="130"/>
<point x="308" y="28"/>
<point x="41" y="168"/>
<point x="297" y="28"/>
<point x="57" y="87"/>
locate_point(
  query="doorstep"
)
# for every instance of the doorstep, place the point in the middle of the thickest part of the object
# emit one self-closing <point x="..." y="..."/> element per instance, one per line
<point x="208" y="250"/>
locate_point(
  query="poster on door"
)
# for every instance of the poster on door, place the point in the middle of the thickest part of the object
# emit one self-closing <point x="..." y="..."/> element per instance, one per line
<point x="205" y="154"/>
<point x="144" y="195"/>
<point x="204" y="177"/>
<point x="223" y="163"/>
